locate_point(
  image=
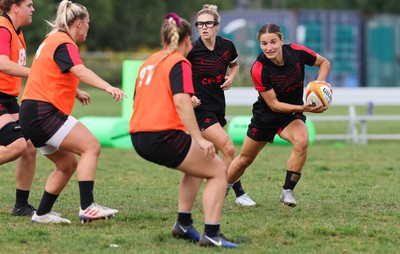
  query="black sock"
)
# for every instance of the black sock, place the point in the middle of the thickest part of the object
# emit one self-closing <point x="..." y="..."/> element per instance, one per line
<point x="86" y="193"/>
<point x="211" y="230"/>
<point x="237" y="187"/>
<point x="291" y="180"/>
<point x="185" y="218"/>
<point x="46" y="203"/>
<point x="21" y="198"/>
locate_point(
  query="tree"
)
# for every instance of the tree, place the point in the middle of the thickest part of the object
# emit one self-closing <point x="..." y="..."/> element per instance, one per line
<point x="135" y="25"/>
<point x="101" y="23"/>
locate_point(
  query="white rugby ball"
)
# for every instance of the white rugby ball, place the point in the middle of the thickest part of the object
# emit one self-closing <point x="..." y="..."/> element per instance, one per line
<point x="319" y="93"/>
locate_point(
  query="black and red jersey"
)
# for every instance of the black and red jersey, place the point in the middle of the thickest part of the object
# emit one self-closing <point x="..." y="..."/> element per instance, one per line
<point x="209" y="68"/>
<point x="287" y="80"/>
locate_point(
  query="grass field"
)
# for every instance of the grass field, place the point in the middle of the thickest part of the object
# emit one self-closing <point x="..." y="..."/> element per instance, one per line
<point x="348" y="203"/>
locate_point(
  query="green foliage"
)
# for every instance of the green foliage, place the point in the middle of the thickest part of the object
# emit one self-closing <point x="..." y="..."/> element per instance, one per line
<point x="117" y="25"/>
<point x="35" y="32"/>
<point x="135" y="25"/>
<point x="101" y="21"/>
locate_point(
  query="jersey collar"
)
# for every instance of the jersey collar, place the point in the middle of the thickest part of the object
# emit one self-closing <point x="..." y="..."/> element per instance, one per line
<point x="18" y="31"/>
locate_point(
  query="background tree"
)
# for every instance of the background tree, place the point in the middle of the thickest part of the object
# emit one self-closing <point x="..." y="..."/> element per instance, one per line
<point x="135" y="25"/>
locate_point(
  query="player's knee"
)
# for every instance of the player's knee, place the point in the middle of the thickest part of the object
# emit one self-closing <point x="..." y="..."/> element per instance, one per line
<point x="219" y="170"/>
<point x="96" y="148"/>
<point x="30" y="151"/>
<point x="68" y="166"/>
<point x="11" y="136"/>
<point x="300" y="143"/>
<point x="71" y="166"/>
<point x="244" y="161"/>
<point x="16" y="148"/>
<point x="93" y="147"/>
<point x="221" y="174"/>
<point x="230" y="151"/>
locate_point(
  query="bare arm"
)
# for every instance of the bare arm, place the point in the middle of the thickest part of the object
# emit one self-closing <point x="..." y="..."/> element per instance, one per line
<point x="282" y="107"/>
<point x="185" y="110"/>
<point x="233" y="71"/>
<point x="11" y="68"/>
<point x="90" y="78"/>
<point x="324" y="67"/>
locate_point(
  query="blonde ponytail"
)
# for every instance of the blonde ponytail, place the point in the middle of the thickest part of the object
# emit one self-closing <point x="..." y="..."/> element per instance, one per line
<point x="67" y="13"/>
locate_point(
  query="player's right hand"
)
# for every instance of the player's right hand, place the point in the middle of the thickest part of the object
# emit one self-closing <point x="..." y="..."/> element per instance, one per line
<point x="207" y="147"/>
<point x="195" y="101"/>
<point x="309" y="107"/>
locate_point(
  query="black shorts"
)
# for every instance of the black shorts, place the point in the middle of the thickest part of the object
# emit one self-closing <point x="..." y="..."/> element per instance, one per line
<point x="40" y="121"/>
<point x="205" y="119"/>
<point x="259" y="132"/>
<point x="167" y="148"/>
<point x="8" y="104"/>
<point x="9" y="133"/>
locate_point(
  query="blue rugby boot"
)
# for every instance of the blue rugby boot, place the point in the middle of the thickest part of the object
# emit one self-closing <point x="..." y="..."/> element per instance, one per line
<point x="185" y="232"/>
<point x="217" y="241"/>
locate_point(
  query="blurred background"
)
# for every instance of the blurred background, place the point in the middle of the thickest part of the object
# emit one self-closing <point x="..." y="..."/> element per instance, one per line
<point x="361" y="38"/>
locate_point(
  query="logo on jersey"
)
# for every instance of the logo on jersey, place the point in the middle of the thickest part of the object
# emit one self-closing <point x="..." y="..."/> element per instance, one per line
<point x="212" y="80"/>
<point x="22" y="57"/>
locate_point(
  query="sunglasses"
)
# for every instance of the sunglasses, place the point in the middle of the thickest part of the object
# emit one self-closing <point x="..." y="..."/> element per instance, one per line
<point x="208" y="24"/>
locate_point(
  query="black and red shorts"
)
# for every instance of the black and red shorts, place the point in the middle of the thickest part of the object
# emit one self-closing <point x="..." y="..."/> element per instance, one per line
<point x="8" y="104"/>
<point x="205" y="119"/>
<point x="167" y="148"/>
<point x="40" y="121"/>
<point x="260" y="132"/>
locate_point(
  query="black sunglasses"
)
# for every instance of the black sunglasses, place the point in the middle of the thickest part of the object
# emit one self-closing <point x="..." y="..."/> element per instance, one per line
<point x="208" y="24"/>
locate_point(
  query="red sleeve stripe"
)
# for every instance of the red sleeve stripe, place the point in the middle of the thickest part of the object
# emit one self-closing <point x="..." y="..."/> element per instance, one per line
<point x="187" y="78"/>
<point x="299" y="47"/>
<point x="256" y="74"/>
<point x="74" y="54"/>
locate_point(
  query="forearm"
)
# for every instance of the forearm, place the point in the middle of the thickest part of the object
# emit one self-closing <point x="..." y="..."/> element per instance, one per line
<point x="277" y="106"/>
<point x="13" y="69"/>
<point x="282" y="107"/>
<point x="233" y="71"/>
<point x="186" y="113"/>
<point x="88" y="77"/>
<point x="323" y="70"/>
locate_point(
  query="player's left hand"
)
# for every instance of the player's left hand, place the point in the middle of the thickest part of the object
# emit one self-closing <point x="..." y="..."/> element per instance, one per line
<point x="228" y="83"/>
<point x="83" y="97"/>
<point x="116" y="93"/>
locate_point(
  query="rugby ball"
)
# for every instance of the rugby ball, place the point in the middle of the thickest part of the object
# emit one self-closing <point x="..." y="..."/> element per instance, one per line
<point x="319" y="93"/>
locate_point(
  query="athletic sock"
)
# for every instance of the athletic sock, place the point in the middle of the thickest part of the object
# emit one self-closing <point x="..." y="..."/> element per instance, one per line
<point x="46" y="203"/>
<point x="237" y="187"/>
<point x="211" y="230"/>
<point x="21" y="198"/>
<point x="86" y="193"/>
<point x="185" y="218"/>
<point x="291" y="180"/>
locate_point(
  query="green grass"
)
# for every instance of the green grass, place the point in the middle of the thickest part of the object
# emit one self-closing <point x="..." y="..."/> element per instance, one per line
<point x="348" y="203"/>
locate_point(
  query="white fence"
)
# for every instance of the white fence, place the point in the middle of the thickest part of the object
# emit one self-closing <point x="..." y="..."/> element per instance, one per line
<point x="351" y="97"/>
